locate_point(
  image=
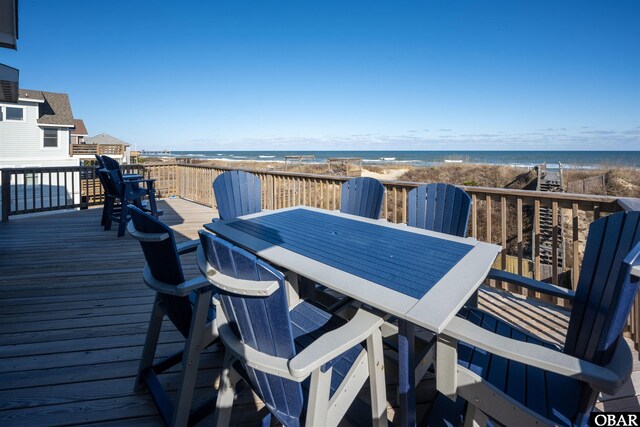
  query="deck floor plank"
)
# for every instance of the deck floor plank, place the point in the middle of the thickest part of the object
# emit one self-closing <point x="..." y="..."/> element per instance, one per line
<point x="74" y="313"/>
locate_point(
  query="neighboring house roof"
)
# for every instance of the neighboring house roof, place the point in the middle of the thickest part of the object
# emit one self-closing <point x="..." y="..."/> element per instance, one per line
<point x="56" y="109"/>
<point x="104" y="138"/>
<point x="79" y="129"/>
<point x="36" y="95"/>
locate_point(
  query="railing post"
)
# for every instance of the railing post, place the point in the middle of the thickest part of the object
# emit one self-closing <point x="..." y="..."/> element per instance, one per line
<point x="6" y="194"/>
<point x="273" y="192"/>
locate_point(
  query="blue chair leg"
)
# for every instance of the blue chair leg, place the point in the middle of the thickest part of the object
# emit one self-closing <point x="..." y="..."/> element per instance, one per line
<point x="124" y="216"/>
<point x="108" y="217"/>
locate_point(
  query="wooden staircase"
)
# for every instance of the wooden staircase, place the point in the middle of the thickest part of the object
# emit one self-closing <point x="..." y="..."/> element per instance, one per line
<point x="550" y="181"/>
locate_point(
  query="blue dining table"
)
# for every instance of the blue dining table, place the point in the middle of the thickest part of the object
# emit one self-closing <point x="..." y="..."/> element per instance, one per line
<point x="421" y="277"/>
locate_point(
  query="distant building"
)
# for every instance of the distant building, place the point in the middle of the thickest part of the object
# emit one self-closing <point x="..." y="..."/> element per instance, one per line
<point x="35" y="130"/>
<point x="79" y="132"/>
<point x="111" y="146"/>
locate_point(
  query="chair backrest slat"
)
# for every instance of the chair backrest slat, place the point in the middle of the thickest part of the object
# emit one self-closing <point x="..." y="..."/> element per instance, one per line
<point x="439" y="207"/>
<point x="362" y="197"/>
<point x="604" y="291"/>
<point x="164" y="263"/>
<point x="263" y="322"/>
<point x="237" y="193"/>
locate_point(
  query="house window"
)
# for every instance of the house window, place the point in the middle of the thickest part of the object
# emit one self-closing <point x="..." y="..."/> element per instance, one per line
<point x="14" y="114"/>
<point x="50" y="138"/>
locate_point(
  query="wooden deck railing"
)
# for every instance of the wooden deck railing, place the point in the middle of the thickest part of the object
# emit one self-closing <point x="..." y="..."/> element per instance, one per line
<point x="507" y="217"/>
<point x="99" y="149"/>
<point x="30" y="190"/>
<point x="510" y="218"/>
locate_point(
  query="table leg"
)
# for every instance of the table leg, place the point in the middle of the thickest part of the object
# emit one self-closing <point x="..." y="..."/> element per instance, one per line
<point x="407" y="373"/>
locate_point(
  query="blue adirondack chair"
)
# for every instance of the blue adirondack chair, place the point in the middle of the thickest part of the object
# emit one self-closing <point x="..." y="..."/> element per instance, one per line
<point x="237" y="193"/>
<point x="276" y="348"/>
<point x="439" y="207"/>
<point x="443" y="208"/>
<point x="187" y="303"/>
<point x="101" y="173"/>
<point x="362" y="197"/>
<point x="123" y="193"/>
<point x="523" y="379"/>
<point x="106" y="164"/>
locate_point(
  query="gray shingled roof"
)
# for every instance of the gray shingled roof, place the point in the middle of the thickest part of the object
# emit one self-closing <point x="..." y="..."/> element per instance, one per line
<point x="36" y="95"/>
<point x="104" y="138"/>
<point x="56" y="109"/>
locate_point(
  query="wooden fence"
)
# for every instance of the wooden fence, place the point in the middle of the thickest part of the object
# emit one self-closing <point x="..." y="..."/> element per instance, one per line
<point x="510" y="218"/>
<point x="588" y="185"/>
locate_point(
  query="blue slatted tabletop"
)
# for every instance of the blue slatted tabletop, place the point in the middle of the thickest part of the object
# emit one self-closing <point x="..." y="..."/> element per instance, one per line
<point x="406" y="262"/>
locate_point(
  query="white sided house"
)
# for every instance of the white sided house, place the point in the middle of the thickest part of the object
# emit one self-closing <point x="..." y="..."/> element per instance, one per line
<point x="35" y="131"/>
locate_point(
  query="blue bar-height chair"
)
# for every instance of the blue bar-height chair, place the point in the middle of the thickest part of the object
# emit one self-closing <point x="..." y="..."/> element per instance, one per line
<point x="111" y="206"/>
<point x="362" y="197"/>
<point x="439" y="207"/>
<point x="237" y="193"/>
<point x="187" y="304"/>
<point x="126" y="192"/>
<point x="102" y="173"/>
<point x="525" y="380"/>
<point x="276" y="348"/>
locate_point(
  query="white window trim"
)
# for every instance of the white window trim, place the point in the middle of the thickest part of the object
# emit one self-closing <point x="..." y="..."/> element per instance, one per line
<point x="42" y="147"/>
<point x="4" y="114"/>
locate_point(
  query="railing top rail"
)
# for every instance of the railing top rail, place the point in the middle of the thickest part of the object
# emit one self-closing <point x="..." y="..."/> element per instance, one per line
<point x="63" y="168"/>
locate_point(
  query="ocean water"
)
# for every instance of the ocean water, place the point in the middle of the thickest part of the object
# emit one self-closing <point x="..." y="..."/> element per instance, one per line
<point x="569" y="159"/>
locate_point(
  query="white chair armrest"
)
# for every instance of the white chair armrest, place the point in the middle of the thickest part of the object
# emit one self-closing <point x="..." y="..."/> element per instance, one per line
<point x="607" y="379"/>
<point x="334" y="343"/>
<point x="181" y="290"/>
<point x="231" y="284"/>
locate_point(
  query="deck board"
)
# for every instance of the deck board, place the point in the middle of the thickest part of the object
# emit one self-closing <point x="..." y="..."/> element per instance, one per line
<point x="74" y="312"/>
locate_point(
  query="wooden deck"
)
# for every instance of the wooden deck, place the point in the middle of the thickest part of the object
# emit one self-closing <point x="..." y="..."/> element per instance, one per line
<point x="74" y="311"/>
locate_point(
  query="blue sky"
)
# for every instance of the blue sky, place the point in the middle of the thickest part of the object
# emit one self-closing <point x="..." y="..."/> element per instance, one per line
<point x="432" y="75"/>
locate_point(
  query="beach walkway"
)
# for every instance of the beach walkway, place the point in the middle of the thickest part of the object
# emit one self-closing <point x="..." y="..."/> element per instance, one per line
<point x="74" y="313"/>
